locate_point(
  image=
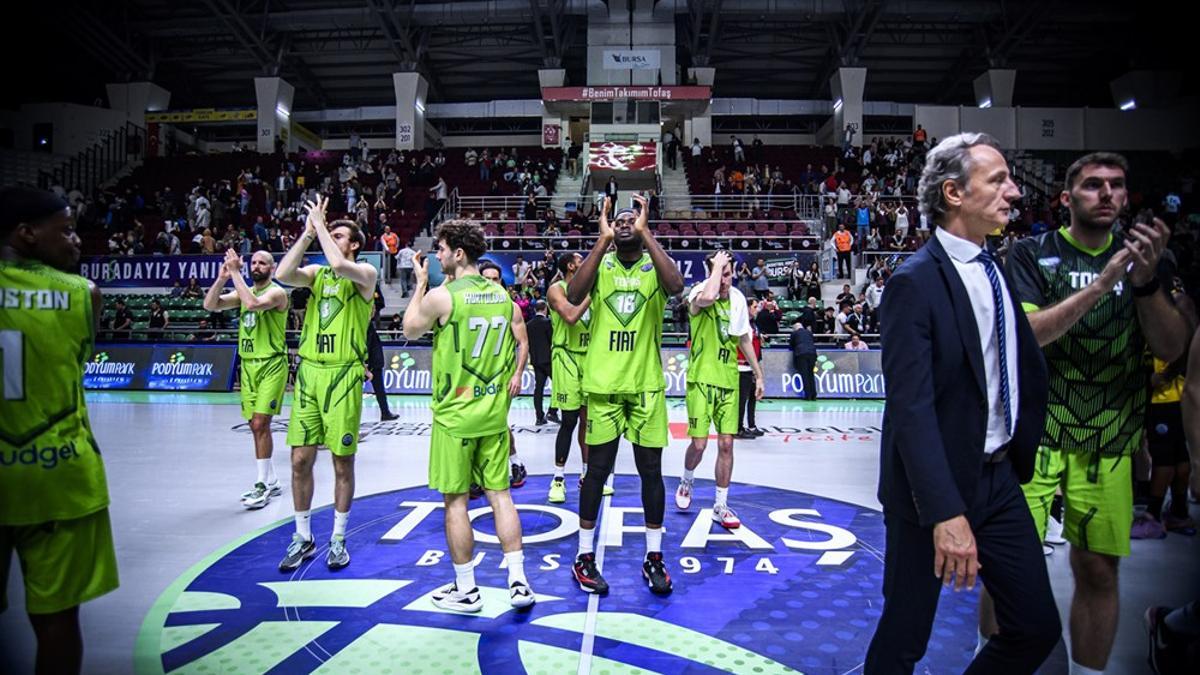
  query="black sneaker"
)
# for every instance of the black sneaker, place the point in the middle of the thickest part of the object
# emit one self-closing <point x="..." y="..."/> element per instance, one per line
<point x="654" y="571"/>
<point x="388" y="417"/>
<point x="745" y="434"/>
<point x="297" y="552"/>
<point x="588" y="576"/>
<point x="756" y="431"/>
<point x="519" y="474"/>
<point x="541" y="422"/>
<point x="552" y="416"/>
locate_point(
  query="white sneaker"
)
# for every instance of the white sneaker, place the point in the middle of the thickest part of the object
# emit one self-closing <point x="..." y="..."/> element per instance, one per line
<point x="521" y="595"/>
<point x="725" y="517"/>
<point x="1054" y="529"/>
<point x="683" y="494"/>
<point x="1047" y="549"/>
<point x="257" y="498"/>
<point x="274" y="488"/>
<point x="449" y="597"/>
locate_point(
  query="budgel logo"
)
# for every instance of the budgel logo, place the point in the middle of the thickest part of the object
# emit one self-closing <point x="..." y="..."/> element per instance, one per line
<point x="797" y="587"/>
<point x="46" y="458"/>
<point x="101" y="365"/>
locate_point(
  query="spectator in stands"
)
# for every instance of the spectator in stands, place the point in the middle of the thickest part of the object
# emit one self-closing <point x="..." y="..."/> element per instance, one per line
<point x="204" y="332"/>
<point x="176" y="290"/>
<point x="804" y="357"/>
<point x="760" y="282"/>
<point x="160" y="319"/>
<point x="840" y="330"/>
<point x="873" y="242"/>
<point x="768" y="315"/>
<point x="354" y="146"/>
<point x="856" y="321"/>
<point x="122" y="321"/>
<point x="470" y="158"/>
<point x="828" y="324"/>
<point x="810" y="314"/>
<point x="611" y="191"/>
<point x="520" y="268"/>
<point x="919" y="137"/>
<point x="739" y="152"/>
<point x="843" y="243"/>
<point x="862" y="220"/>
<point x="902" y="220"/>
<point x="856" y="344"/>
<point x="697" y="152"/>
<point x="875" y="293"/>
<point x="193" y="289"/>
<point x="391" y="245"/>
<point x="529" y="211"/>
<point x="395" y="325"/>
<point x="848" y="138"/>
<point x="797" y="282"/>
<point x="404" y="260"/>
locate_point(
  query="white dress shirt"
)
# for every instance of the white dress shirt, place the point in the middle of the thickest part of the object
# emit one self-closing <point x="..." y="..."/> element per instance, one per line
<point x="979" y="289"/>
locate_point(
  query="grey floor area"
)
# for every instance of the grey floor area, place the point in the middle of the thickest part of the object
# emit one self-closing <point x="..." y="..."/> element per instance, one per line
<point x="175" y="468"/>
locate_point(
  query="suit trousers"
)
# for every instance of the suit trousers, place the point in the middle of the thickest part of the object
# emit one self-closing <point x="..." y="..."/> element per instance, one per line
<point x="804" y="364"/>
<point x="1013" y="569"/>
<point x="541" y="372"/>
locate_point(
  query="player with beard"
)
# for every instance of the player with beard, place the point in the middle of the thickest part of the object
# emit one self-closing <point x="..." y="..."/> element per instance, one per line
<point x="623" y="378"/>
<point x="264" y="365"/>
<point x="476" y="332"/>
<point x="1096" y="299"/>
<point x="517" y="476"/>
<point x="53" y="491"/>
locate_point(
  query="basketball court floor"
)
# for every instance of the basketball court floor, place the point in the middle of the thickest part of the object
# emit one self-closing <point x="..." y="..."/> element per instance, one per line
<point x="796" y="589"/>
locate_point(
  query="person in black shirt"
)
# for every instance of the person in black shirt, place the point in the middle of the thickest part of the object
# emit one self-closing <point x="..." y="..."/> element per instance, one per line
<point x="804" y="358"/>
<point x="541" y="336"/>
<point x="159" y="319"/>
<point x="122" y="321"/>
<point x="375" y="363"/>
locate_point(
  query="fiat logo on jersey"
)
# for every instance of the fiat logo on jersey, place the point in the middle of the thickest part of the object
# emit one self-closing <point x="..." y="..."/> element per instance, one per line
<point x="796" y="588"/>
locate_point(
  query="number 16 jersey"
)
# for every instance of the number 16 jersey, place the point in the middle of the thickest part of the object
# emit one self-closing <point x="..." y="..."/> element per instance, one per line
<point x="623" y="354"/>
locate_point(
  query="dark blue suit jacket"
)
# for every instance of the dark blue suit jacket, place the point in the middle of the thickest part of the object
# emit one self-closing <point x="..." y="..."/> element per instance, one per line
<point x="935" y="418"/>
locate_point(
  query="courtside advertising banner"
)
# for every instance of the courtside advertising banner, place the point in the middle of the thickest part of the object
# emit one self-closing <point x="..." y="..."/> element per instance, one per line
<point x="838" y="373"/>
<point x="690" y="264"/>
<point x="161" y="367"/>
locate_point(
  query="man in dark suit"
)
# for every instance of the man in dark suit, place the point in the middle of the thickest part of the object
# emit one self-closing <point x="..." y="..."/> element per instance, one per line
<point x="804" y="357"/>
<point x="965" y="409"/>
<point x="541" y="334"/>
<point x="375" y="364"/>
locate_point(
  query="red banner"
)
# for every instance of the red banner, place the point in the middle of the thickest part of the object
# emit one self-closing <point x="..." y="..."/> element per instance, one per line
<point x="550" y="135"/>
<point x="626" y="93"/>
<point x="622" y="156"/>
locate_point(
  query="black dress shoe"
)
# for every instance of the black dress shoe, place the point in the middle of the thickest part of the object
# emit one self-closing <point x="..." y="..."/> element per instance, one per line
<point x="745" y="435"/>
<point x="552" y="416"/>
<point x="388" y="417"/>
<point x="756" y="431"/>
<point x="541" y="422"/>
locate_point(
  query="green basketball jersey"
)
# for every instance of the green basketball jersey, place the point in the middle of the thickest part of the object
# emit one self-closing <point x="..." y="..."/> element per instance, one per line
<point x="261" y="334"/>
<point x="335" y="323"/>
<point x="713" y="355"/>
<point x="50" y="467"/>
<point x="573" y="338"/>
<point x="623" y="354"/>
<point x="1099" y="369"/>
<point x="473" y="359"/>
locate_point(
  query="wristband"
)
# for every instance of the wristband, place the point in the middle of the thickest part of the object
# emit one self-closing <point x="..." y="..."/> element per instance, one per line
<point x="1149" y="288"/>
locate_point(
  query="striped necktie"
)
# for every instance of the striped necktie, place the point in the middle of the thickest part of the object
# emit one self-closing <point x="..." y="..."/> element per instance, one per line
<point x="993" y="275"/>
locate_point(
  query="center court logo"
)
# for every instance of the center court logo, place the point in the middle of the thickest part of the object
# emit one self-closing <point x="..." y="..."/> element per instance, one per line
<point x="796" y="589"/>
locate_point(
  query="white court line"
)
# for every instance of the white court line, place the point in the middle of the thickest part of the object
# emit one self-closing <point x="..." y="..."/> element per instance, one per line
<point x="593" y="608"/>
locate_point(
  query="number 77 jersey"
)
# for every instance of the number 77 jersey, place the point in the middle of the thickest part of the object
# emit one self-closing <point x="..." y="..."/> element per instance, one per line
<point x="473" y="359"/>
<point x="50" y="468"/>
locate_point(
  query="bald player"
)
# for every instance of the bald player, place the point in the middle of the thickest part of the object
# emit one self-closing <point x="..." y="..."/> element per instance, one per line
<point x="264" y="366"/>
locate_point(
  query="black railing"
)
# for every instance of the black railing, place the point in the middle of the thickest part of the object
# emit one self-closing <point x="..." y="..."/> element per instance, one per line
<point x="97" y="164"/>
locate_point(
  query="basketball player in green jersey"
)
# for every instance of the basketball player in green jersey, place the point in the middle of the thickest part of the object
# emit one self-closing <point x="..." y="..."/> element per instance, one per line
<point x="1097" y="301"/>
<point x="476" y="330"/>
<point x="720" y="325"/>
<point x="263" y="351"/>
<point x="53" y="493"/>
<point x="568" y="349"/>
<point x="491" y="271"/>
<point x="623" y="378"/>
<point x="327" y="403"/>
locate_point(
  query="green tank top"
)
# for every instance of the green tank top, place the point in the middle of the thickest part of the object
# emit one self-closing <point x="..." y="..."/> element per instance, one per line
<point x="713" y="355"/>
<point x="335" y="322"/>
<point x="50" y="467"/>
<point x="261" y="334"/>
<point x="473" y="359"/>
<point x="573" y="338"/>
<point x="623" y="354"/>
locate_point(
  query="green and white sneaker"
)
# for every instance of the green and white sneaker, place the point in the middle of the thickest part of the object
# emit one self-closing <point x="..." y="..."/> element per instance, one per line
<point x="449" y="597"/>
<point x="274" y="488"/>
<point x="338" y="557"/>
<point x="297" y="552"/>
<point x="259" y="497"/>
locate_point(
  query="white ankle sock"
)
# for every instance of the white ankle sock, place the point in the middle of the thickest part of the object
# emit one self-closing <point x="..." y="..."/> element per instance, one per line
<point x="339" y="523"/>
<point x="303" y="524"/>
<point x="585" y="540"/>
<point x="1076" y="669"/>
<point x="271" y="477"/>
<point x="722" y="497"/>
<point x="559" y="471"/>
<point x="464" y="576"/>
<point x="515" y="561"/>
<point x="653" y="540"/>
<point x="688" y="474"/>
<point x="514" y="458"/>
<point x="264" y="469"/>
<point x="583" y="471"/>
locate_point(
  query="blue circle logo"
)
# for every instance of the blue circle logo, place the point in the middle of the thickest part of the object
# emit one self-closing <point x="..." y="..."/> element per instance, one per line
<point x="797" y="588"/>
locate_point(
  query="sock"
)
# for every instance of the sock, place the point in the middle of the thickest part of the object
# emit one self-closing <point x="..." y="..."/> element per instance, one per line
<point x="1184" y="620"/>
<point x="983" y="640"/>
<point x="339" y="523"/>
<point x="303" y="523"/>
<point x="722" y="496"/>
<point x="1076" y="669"/>
<point x="687" y="474"/>
<point x="653" y="540"/>
<point x="271" y="477"/>
<point x="263" y="466"/>
<point x="464" y="576"/>
<point x="558" y="472"/>
<point x="514" y="458"/>
<point x="583" y="470"/>
<point x="516" y="567"/>
<point x="585" y="540"/>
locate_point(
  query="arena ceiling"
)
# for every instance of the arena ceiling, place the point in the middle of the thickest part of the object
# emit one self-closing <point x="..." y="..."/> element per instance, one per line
<point x="342" y="53"/>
